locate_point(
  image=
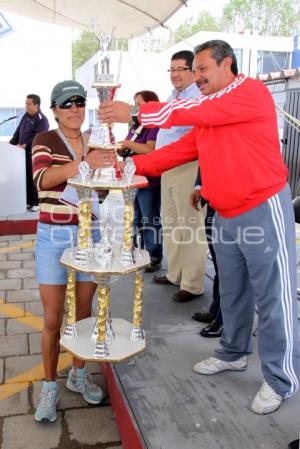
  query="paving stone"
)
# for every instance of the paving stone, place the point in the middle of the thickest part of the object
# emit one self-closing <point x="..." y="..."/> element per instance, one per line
<point x="22" y="432"/>
<point x="17" y="310"/>
<point x="21" y="273"/>
<point x="16" y="404"/>
<point x="35" y="343"/>
<point x="15" y="366"/>
<point x="3" y="256"/>
<point x="29" y="283"/>
<point x="34" y="307"/>
<point x="15" y="242"/>
<point x="15" y="327"/>
<point x="30" y="250"/>
<point x="6" y="238"/>
<point x="10" y="264"/>
<point x="3" y="244"/>
<point x="92" y="425"/>
<point x="28" y="264"/>
<point x="13" y="345"/>
<point x="28" y="236"/>
<point x="1" y="371"/>
<point x="94" y="367"/>
<point x="23" y="295"/>
<point x="10" y="284"/>
<point x="2" y="275"/>
<point x="2" y="327"/>
<point x="20" y="256"/>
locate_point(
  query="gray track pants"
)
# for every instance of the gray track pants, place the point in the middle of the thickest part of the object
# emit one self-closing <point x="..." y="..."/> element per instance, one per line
<point x="256" y="255"/>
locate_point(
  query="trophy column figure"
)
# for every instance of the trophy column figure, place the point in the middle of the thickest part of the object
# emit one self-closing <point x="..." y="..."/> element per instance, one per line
<point x="70" y="327"/>
<point x="137" y="333"/>
<point x="101" y="349"/>
<point x="102" y="136"/>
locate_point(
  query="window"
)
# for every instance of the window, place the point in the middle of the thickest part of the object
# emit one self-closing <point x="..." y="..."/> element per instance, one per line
<point x="272" y="61"/>
<point x="239" y="58"/>
<point x="9" y="127"/>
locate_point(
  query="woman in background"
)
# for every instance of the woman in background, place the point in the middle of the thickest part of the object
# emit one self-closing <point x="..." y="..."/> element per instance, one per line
<point x="147" y="223"/>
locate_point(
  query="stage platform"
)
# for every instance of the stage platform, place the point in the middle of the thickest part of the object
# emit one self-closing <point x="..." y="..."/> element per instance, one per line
<point x="161" y="404"/>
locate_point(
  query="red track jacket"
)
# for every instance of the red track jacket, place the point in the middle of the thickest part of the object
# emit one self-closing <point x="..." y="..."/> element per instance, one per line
<point x="235" y="139"/>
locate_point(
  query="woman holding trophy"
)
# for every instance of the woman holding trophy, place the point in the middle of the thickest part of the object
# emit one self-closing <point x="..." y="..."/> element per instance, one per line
<point x="56" y="157"/>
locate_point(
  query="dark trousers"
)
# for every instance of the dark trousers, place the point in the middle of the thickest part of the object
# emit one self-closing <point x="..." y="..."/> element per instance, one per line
<point x="214" y="308"/>
<point x="31" y="192"/>
<point x="147" y="221"/>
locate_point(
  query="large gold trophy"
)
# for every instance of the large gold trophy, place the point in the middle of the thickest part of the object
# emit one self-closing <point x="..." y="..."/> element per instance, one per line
<point x="104" y="338"/>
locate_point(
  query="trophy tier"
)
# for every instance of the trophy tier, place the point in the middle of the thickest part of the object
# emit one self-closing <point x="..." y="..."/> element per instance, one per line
<point x="121" y="347"/>
<point x="106" y="147"/>
<point x="141" y="260"/>
<point x="137" y="182"/>
<point x="106" y="84"/>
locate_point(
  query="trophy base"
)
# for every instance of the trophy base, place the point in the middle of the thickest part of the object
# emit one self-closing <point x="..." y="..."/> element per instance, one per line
<point x="121" y="348"/>
<point x="106" y="84"/>
<point x="106" y="147"/>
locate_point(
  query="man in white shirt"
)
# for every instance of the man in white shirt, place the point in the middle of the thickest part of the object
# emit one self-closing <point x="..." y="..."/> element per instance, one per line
<point x="183" y="227"/>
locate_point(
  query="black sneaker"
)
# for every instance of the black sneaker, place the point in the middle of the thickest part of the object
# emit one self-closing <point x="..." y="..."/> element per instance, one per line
<point x="203" y="317"/>
<point x="212" y="330"/>
<point x="154" y="266"/>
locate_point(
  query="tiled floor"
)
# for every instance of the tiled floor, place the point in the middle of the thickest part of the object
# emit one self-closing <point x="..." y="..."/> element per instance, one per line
<point x="78" y="425"/>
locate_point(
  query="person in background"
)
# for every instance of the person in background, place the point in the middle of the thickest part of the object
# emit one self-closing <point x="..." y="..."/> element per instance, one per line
<point x="183" y="227"/>
<point x="244" y="178"/>
<point x="212" y="318"/>
<point x="142" y="140"/>
<point x="56" y="157"/>
<point x="32" y="123"/>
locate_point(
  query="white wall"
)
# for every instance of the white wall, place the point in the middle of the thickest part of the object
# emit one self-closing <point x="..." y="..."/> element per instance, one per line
<point x="34" y="57"/>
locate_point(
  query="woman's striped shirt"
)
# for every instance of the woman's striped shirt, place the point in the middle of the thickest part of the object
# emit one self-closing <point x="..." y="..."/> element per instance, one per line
<point x="50" y="151"/>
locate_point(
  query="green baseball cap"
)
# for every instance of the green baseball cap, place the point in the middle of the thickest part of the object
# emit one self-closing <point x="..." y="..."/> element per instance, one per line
<point x="65" y="90"/>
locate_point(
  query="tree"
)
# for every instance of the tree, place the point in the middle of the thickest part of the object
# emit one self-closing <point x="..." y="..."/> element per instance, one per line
<point x="265" y="17"/>
<point x="205" y="22"/>
<point x="84" y="48"/>
<point x="88" y="44"/>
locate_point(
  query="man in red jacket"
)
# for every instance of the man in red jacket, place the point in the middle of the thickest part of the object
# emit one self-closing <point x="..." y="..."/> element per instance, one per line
<point x="235" y="139"/>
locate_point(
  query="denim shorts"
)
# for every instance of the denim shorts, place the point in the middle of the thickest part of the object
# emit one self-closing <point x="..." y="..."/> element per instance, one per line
<point x="51" y="241"/>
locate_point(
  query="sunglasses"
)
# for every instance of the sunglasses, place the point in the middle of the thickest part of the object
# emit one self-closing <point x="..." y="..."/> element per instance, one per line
<point x="79" y="103"/>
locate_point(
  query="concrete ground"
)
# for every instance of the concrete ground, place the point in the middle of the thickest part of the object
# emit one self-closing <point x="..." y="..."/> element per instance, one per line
<point x="78" y="425"/>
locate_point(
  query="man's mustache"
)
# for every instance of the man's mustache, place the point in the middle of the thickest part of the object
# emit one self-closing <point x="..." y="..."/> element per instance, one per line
<point x="200" y="82"/>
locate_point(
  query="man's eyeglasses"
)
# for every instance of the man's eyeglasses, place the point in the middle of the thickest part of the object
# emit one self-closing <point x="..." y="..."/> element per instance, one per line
<point x="178" y="69"/>
<point x="79" y="103"/>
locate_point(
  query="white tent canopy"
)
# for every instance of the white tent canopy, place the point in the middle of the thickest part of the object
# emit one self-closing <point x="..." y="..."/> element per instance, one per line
<point x="128" y="18"/>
